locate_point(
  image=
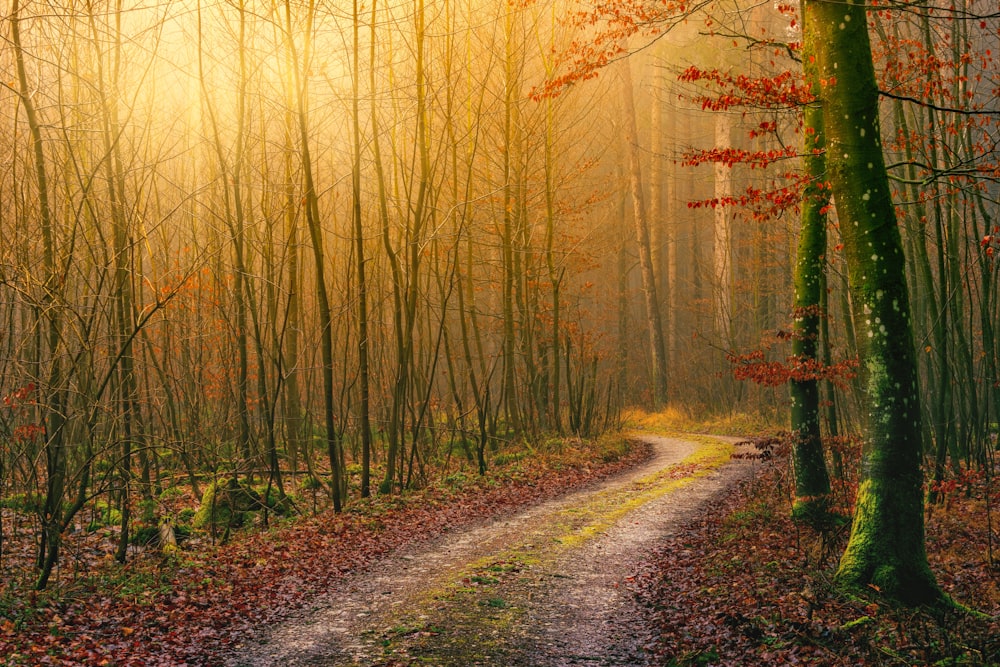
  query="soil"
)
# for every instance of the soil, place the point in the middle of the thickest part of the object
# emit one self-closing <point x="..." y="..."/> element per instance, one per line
<point x="546" y="586"/>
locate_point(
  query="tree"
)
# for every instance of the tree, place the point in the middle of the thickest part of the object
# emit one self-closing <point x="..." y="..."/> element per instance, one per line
<point x="654" y="321"/>
<point x="886" y="549"/>
<point x="812" y="483"/>
<point x="52" y="393"/>
<point x="300" y="69"/>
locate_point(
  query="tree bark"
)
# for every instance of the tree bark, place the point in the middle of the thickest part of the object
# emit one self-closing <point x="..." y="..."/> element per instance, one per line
<point x="654" y="319"/>
<point x="812" y="483"/>
<point x="365" y="419"/>
<point x="886" y="550"/>
<point x="316" y="237"/>
<point x="721" y="239"/>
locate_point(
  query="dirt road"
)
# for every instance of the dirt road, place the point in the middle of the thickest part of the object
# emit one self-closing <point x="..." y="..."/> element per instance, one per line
<point x="547" y="586"/>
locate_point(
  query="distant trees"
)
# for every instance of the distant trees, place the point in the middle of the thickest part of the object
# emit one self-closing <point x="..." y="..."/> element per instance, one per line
<point x="259" y="240"/>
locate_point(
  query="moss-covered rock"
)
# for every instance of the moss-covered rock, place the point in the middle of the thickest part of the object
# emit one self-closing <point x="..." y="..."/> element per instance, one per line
<point x="104" y="515"/>
<point x="226" y="503"/>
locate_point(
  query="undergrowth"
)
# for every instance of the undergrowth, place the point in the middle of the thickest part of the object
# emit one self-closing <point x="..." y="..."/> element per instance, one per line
<point x="677" y="419"/>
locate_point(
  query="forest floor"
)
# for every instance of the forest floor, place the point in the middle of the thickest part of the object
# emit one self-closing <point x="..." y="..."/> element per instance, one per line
<point x="673" y="552"/>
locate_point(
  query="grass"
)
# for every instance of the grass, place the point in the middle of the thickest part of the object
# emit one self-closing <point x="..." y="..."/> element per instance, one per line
<point x="676" y="419"/>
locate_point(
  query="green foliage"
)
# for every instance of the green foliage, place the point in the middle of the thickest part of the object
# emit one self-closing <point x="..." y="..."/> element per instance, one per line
<point x="818" y="515"/>
<point x="147" y="510"/>
<point x="457" y="479"/>
<point x="274" y="501"/>
<point x="759" y="513"/>
<point x="226" y="503"/>
<point x="145" y="536"/>
<point x="857" y="623"/>
<point x="29" y="503"/>
<point x="171" y="493"/>
<point x="612" y="448"/>
<point x="494" y="603"/>
<point x="104" y="515"/>
<point x="140" y="586"/>
<point x="505" y="458"/>
<point x="310" y="483"/>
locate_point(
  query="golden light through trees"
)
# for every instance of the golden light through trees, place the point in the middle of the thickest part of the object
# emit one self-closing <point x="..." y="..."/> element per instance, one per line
<point x="288" y="239"/>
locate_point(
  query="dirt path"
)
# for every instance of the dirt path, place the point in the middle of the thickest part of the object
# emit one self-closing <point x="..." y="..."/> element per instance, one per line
<point x="544" y="587"/>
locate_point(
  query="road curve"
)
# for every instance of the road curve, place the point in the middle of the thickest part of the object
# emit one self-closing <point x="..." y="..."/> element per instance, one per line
<point x="546" y="586"/>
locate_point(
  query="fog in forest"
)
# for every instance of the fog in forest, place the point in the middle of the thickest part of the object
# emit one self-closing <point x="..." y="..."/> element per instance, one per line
<point x="288" y="236"/>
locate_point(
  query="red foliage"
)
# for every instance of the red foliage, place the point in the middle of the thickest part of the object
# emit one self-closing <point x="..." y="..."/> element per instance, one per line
<point x="783" y="91"/>
<point x="610" y="26"/>
<point x="730" y="157"/>
<point x="758" y="205"/>
<point x="991" y="243"/>
<point x="754" y="366"/>
<point x="22" y="395"/>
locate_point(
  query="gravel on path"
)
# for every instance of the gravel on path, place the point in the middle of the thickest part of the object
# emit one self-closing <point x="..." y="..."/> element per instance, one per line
<point x="545" y="586"/>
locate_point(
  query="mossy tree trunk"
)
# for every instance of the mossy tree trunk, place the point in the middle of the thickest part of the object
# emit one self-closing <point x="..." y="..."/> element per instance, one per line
<point x="812" y="483"/>
<point x="886" y="550"/>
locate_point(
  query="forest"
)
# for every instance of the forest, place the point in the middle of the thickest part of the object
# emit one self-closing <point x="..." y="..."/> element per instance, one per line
<point x="265" y="261"/>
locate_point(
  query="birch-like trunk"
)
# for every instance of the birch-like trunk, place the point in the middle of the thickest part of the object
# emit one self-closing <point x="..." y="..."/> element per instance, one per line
<point x="653" y="316"/>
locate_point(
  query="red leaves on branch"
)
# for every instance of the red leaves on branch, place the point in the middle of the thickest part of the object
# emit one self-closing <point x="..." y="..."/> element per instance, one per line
<point x="730" y="157"/>
<point x="21" y="395"/>
<point x="991" y="243"/>
<point x="760" y="205"/>
<point x="609" y="26"/>
<point x="755" y="367"/>
<point x="782" y="91"/>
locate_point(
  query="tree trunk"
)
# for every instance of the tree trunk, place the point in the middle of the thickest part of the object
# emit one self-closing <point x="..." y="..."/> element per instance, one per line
<point x="51" y="396"/>
<point x="886" y="549"/>
<point x="655" y="322"/>
<point x="812" y="483"/>
<point x="366" y="429"/>
<point x="316" y="238"/>
<point x="721" y="237"/>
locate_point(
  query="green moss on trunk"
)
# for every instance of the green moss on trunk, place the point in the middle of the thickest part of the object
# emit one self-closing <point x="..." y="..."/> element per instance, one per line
<point x="886" y="549"/>
<point x="812" y="483"/>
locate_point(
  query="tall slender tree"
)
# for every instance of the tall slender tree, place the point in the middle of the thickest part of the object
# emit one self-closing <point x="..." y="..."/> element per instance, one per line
<point x="641" y="221"/>
<point x="812" y="482"/>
